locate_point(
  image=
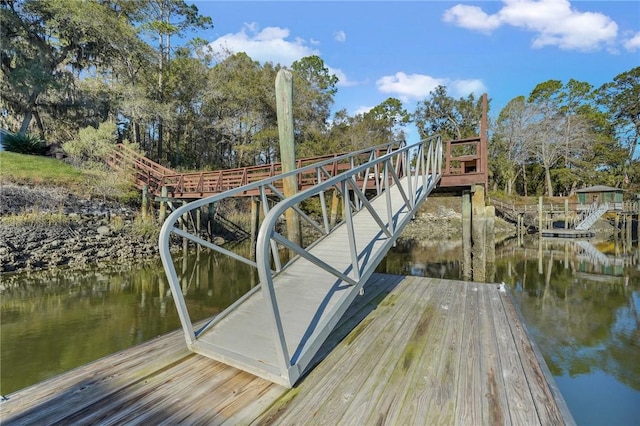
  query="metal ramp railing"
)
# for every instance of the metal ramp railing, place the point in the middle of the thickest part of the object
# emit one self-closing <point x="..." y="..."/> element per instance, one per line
<point x="275" y="329"/>
<point x="592" y="216"/>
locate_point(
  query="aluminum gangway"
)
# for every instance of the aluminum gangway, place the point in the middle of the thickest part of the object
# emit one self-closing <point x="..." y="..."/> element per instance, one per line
<point x="275" y="329"/>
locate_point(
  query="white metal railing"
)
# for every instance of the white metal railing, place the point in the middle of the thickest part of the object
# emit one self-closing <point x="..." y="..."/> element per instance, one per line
<point x="418" y="166"/>
<point x="593" y="214"/>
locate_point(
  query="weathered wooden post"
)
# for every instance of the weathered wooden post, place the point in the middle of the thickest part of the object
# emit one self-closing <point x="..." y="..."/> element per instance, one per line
<point x="185" y="242"/>
<point x="466" y="235"/>
<point x="163" y="204"/>
<point x="255" y="222"/>
<point x="335" y="205"/>
<point x="284" y="112"/>
<point x="566" y="213"/>
<point x="145" y="202"/>
<point x="540" y="216"/>
<point x="478" y="237"/>
<point x="490" y="214"/>
<point x="210" y="219"/>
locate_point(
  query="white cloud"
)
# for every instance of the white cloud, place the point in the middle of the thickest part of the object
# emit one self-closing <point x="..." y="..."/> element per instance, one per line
<point x="463" y="88"/>
<point x="267" y="45"/>
<point x="343" y="80"/>
<point x="407" y="87"/>
<point x="554" y="23"/>
<point x="633" y="43"/>
<point x="471" y="17"/>
<point x="340" y="36"/>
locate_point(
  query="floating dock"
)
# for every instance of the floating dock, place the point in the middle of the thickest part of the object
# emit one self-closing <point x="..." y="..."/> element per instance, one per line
<point x="567" y="233"/>
<point x="409" y="351"/>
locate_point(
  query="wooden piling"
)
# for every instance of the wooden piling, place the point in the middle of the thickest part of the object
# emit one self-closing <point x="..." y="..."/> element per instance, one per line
<point x="335" y="205"/>
<point x="163" y="204"/>
<point x="255" y="224"/>
<point x="466" y="235"/>
<point x="145" y="201"/>
<point x="566" y="213"/>
<point x="284" y="112"/>
<point x="478" y="237"/>
<point x="490" y="232"/>
<point x="540" y="215"/>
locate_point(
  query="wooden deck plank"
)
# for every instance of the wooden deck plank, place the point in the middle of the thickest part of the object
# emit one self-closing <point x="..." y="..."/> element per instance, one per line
<point x="469" y="409"/>
<point x="440" y="373"/>
<point x="533" y="367"/>
<point x="406" y="362"/>
<point x="85" y="385"/>
<point x="492" y="387"/>
<point x="519" y="401"/>
<point x="351" y="358"/>
<point x="387" y="388"/>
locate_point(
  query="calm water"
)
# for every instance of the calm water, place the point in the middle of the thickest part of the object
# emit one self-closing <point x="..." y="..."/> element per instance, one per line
<point x="581" y="303"/>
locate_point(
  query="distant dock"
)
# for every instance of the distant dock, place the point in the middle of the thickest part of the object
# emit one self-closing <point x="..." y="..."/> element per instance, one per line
<point x="410" y="351"/>
<point x="567" y="233"/>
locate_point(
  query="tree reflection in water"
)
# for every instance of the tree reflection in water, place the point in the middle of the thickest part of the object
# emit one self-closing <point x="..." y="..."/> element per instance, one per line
<point x="53" y="321"/>
<point x="581" y="303"/>
<point x="582" y="308"/>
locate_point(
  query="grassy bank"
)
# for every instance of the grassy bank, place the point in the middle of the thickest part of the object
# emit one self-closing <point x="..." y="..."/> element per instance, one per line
<point x="34" y="170"/>
<point x="25" y="169"/>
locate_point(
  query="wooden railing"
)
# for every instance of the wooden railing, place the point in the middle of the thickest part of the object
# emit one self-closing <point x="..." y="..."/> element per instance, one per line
<point x="197" y="185"/>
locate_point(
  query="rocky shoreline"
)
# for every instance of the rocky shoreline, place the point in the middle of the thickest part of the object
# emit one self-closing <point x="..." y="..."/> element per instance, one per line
<point x="48" y="227"/>
<point x="93" y="231"/>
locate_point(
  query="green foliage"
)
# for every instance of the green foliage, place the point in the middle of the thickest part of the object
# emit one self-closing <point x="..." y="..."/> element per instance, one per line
<point x="449" y="117"/>
<point x="36" y="170"/>
<point x="24" y="144"/>
<point x="92" y="145"/>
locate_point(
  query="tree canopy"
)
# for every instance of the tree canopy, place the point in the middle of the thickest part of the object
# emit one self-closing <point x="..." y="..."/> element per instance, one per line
<point x="67" y="65"/>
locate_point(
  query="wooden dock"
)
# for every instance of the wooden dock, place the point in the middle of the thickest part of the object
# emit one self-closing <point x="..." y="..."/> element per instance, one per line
<point x="410" y="351"/>
<point x="566" y="233"/>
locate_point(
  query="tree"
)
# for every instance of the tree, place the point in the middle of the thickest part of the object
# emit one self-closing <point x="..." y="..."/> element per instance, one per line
<point x="561" y="130"/>
<point x="449" y="117"/>
<point x="164" y="19"/>
<point x="621" y="98"/>
<point x="240" y="104"/>
<point x="44" y="43"/>
<point x="314" y="89"/>
<point x="510" y="145"/>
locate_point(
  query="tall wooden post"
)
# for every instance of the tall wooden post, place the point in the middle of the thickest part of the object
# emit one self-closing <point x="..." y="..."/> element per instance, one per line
<point x="163" y="204"/>
<point x="466" y="235"/>
<point x="335" y="205"/>
<point x="540" y="216"/>
<point x="478" y="236"/>
<point x="566" y="213"/>
<point x="255" y="222"/>
<point x="145" y="201"/>
<point x="284" y="111"/>
<point x="490" y="214"/>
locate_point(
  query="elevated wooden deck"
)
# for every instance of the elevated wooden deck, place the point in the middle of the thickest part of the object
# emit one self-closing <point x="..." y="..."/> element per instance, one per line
<point x="410" y="351"/>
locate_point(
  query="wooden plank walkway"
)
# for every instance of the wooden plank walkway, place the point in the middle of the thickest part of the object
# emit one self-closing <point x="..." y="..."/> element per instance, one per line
<point x="410" y="351"/>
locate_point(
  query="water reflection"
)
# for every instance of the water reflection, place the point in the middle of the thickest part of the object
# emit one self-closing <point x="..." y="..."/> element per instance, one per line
<point x="53" y="321"/>
<point x="581" y="303"/>
<point x="581" y="306"/>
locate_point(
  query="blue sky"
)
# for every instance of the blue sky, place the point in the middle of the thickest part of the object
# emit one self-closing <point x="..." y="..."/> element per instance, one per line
<point x="382" y="49"/>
